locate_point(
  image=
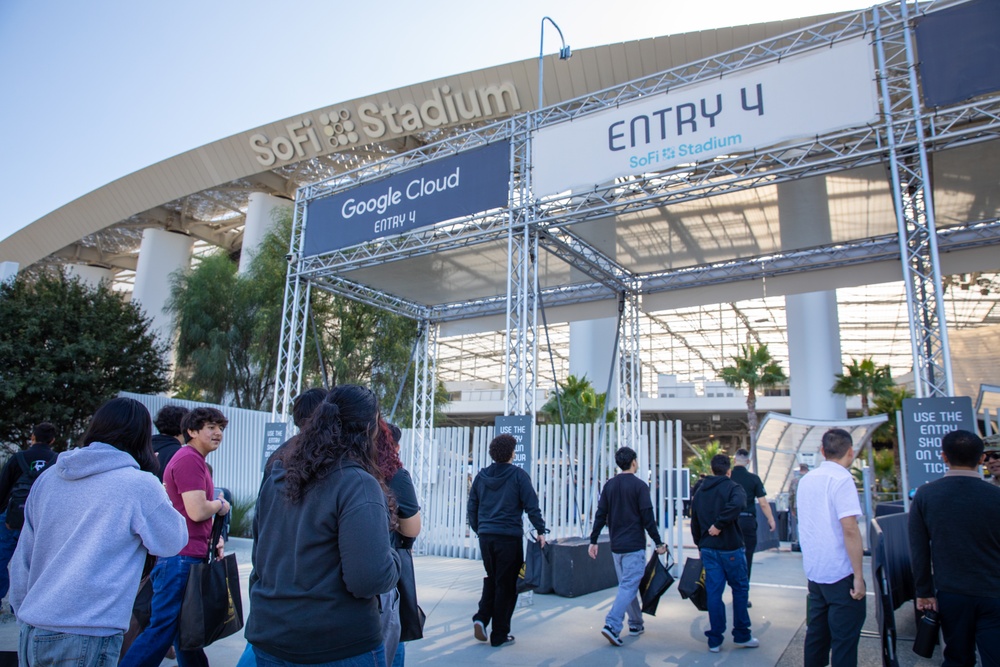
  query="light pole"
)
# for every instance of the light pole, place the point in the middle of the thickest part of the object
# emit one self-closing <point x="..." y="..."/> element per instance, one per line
<point x="564" y="54"/>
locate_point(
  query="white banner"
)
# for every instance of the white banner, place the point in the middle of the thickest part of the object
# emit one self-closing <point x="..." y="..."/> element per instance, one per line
<point x="824" y="90"/>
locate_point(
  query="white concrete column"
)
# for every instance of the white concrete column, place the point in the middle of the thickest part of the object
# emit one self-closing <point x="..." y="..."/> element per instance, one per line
<point x="591" y="342"/>
<point x="814" y="355"/>
<point x="261" y="211"/>
<point x="813" y="324"/>
<point x="160" y="254"/>
<point x="8" y="271"/>
<point x="591" y="352"/>
<point x="90" y="275"/>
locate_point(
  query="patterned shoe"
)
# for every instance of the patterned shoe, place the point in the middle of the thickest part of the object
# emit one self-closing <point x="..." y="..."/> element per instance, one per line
<point x="611" y="636"/>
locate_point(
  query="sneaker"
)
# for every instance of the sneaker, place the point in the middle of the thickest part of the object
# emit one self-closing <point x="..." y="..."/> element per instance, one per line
<point x="636" y="630"/>
<point x="506" y="642"/>
<point x="753" y="642"/>
<point x="715" y="649"/>
<point x="479" y="630"/>
<point x="611" y="636"/>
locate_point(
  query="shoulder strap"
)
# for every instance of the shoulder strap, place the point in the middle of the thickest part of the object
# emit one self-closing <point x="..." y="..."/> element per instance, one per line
<point x="22" y="462"/>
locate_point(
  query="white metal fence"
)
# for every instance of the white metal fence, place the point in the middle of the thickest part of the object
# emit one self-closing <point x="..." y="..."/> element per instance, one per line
<point x="568" y="468"/>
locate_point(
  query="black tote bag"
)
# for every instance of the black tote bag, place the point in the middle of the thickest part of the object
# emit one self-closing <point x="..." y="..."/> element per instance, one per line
<point x="411" y="616"/>
<point x="530" y="576"/>
<point x="212" y="606"/>
<point x="692" y="584"/>
<point x="655" y="582"/>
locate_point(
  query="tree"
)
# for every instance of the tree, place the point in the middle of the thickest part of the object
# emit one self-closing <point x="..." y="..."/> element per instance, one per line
<point x="66" y="348"/>
<point x="701" y="462"/>
<point x="223" y="349"/>
<point x="889" y="403"/>
<point x="229" y="325"/>
<point x="754" y="369"/>
<point x="865" y="379"/>
<point x="580" y="403"/>
<point x="364" y="344"/>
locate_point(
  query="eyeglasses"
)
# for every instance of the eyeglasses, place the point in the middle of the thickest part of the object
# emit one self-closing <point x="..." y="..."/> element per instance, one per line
<point x="992" y="456"/>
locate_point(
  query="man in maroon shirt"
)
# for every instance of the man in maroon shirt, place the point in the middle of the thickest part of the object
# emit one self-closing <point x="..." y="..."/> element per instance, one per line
<point x="190" y="488"/>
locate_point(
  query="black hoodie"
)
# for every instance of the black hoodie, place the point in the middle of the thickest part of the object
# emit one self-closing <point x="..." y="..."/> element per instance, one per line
<point x="499" y="495"/>
<point x="718" y="503"/>
<point x="164" y="446"/>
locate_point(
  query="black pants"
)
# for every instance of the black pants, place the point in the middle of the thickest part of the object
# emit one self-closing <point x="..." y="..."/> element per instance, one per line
<point x="834" y="621"/>
<point x="503" y="556"/>
<point x="748" y="526"/>
<point x="967" y="622"/>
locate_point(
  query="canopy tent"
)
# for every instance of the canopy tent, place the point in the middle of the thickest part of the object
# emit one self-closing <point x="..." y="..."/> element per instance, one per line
<point x="782" y="438"/>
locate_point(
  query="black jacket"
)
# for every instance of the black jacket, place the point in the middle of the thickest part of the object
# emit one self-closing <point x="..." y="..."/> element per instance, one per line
<point x="319" y="566"/>
<point x="12" y="471"/>
<point x="499" y="495"/>
<point x="164" y="446"/>
<point x="718" y="502"/>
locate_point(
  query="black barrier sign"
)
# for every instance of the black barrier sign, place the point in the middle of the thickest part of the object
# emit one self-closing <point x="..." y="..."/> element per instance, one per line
<point x="274" y="435"/>
<point x="518" y="426"/>
<point x="925" y="422"/>
<point x="464" y="184"/>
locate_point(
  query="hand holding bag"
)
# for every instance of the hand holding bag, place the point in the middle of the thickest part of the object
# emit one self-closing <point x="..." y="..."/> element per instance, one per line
<point x="655" y="582"/>
<point x="530" y="576"/>
<point x="212" y="606"/>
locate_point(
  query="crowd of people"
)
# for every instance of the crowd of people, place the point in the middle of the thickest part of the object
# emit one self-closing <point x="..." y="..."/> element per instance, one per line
<point x="337" y="515"/>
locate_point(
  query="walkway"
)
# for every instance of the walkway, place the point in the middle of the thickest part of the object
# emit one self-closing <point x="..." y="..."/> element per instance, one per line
<point x="556" y="631"/>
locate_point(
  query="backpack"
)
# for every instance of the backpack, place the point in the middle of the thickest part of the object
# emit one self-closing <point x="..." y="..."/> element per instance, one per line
<point x="19" y="493"/>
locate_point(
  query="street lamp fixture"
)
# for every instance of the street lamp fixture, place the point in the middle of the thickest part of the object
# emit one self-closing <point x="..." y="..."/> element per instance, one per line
<point x="564" y="54"/>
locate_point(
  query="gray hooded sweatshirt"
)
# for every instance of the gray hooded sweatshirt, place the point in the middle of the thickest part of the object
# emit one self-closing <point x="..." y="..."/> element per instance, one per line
<point x="89" y="521"/>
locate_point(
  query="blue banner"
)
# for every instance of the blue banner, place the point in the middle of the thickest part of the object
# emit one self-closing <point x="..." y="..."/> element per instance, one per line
<point x="457" y="186"/>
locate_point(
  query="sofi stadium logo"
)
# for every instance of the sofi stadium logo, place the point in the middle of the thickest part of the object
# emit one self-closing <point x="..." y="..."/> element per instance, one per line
<point x="340" y="128"/>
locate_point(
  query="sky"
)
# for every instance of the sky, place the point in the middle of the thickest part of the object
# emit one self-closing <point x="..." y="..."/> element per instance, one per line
<point x="93" y="91"/>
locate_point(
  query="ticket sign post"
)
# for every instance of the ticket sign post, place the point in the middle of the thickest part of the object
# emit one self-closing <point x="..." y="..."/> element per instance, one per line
<point x="274" y="435"/>
<point x="925" y="422"/>
<point x="518" y="426"/>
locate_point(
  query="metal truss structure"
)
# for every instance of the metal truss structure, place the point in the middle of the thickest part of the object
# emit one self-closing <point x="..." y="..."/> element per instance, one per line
<point x="901" y="142"/>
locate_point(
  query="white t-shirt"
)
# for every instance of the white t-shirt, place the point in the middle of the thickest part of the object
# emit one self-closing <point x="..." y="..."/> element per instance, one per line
<point x="825" y="496"/>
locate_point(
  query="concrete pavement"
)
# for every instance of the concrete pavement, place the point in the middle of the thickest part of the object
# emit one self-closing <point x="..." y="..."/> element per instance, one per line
<point x="555" y="631"/>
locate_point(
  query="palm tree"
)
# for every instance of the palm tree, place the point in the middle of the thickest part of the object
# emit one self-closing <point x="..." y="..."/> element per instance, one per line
<point x="580" y="403"/>
<point x="865" y="379"/>
<point x="754" y="369"/>
<point x="701" y="462"/>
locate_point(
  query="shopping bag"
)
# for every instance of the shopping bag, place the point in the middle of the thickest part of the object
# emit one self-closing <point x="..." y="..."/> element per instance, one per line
<point x="212" y="607"/>
<point x="655" y="582"/>
<point x="692" y="584"/>
<point x="411" y="616"/>
<point x="530" y="576"/>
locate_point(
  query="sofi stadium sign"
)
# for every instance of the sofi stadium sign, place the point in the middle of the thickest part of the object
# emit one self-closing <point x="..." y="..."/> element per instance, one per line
<point x="341" y="127"/>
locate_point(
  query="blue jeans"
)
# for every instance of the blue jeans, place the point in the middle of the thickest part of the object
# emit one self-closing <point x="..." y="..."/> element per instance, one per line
<point x="37" y="648"/>
<point x="400" y="657"/>
<point x="169" y="579"/>
<point x="722" y="567"/>
<point x="629" y="568"/>
<point x="374" y="658"/>
<point x="8" y="542"/>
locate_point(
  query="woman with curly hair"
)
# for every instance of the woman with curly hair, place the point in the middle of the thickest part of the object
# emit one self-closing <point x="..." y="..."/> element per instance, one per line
<point x="397" y="478"/>
<point x="321" y="551"/>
